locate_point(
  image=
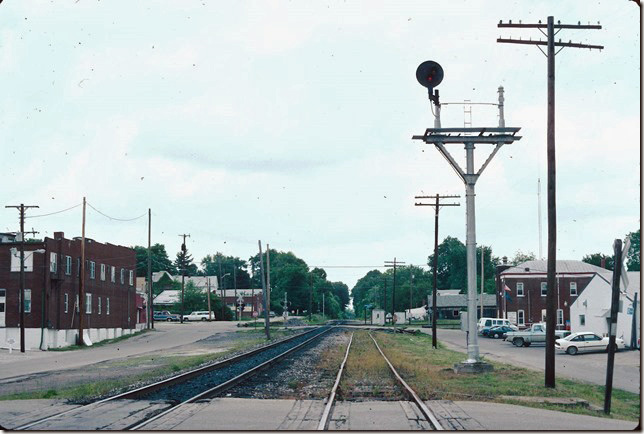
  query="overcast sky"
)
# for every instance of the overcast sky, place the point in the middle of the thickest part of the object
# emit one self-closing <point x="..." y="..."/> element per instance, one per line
<point x="291" y="122"/>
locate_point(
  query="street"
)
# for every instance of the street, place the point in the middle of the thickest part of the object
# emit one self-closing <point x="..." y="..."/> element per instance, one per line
<point x="589" y="367"/>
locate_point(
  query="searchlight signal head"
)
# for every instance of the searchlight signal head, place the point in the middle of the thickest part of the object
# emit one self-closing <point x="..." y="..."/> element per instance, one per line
<point x="430" y="74"/>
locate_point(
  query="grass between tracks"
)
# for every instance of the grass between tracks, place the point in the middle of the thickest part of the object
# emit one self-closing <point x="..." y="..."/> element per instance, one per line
<point x="429" y="372"/>
<point x="160" y="366"/>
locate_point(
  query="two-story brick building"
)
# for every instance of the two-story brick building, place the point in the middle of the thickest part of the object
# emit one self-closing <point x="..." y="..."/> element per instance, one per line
<point x="52" y="280"/>
<point x="524" y="300"/>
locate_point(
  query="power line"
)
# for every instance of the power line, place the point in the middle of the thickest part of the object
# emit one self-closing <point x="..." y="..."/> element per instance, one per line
<point x="52" y="213"/>
<point x="114" y="218"/>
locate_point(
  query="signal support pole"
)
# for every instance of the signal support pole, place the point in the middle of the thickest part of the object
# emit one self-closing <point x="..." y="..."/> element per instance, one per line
<point x="393" y="264"/>
<point x="437" y="205"/>
<point x="439" y="137"/>
<point x="267" y="326"/>
<point x="552" y="207"/>
<point x="150" y="310"/>
<point x="183" y="270"/>
<point x="21" y="299"/>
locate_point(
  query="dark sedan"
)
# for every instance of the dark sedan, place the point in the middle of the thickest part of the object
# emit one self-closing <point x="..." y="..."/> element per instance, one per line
<point x="164" y="315"/>
<point x="499" y="331"/>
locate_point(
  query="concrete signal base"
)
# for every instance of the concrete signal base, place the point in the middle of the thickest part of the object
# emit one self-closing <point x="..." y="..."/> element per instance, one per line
<point x="472" y="368"/>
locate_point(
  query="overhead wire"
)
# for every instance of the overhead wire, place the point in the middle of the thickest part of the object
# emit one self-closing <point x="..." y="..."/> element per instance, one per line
<point x="52" y="213"/>
<point x="114" y="218"/>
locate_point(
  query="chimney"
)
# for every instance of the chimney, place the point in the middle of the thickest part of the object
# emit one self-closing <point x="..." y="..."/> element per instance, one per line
<point x="59" y="235"/>
<point x="603" y="263"/>
<point x="505" y="260"/>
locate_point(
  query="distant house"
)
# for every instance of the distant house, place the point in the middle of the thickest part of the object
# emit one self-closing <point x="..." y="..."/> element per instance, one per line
<point x="450" y="303"/>
<point x="252" y="299"/>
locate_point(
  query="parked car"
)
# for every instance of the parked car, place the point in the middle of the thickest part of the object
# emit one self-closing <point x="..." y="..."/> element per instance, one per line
<point x="484" y="331"/>
<point x="201" y="315"/>
<point x="491" y="322"/>
<point x="499" y="331"/>
<point x="535" y="334"/>
<point x="271" y="314"/>
<point x="586" y="341"/>
<point x="165" y="315"/>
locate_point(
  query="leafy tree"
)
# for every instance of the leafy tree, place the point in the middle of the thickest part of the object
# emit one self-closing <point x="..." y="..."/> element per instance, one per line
<point x="596" y="259"/>
<point x="633" y="256"/>
<point x="159" y="262"/>
<point x="229" y="264"/>
<point x="195" y="299"/>
<point x="184" y="261"/>
<point x="368" y="290"/>
<point x="451" y="270"/>
<point x="520" y="257"/>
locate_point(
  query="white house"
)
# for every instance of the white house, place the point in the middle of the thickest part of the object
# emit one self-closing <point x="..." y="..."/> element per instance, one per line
<point x="591" y="310"/>
<point x="378" y="317"/>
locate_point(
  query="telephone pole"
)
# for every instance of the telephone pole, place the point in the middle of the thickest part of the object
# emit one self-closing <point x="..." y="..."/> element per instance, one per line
<point x="267" y="327"/>
<point x="81" y="287"/>
<point x="311" y="297"/>
<point x="393" y="264"/>
<point x="551" y="187"/>
<point x="150" y="309"/>
<point x="183" y="269"/>
<point x="235" y="286"/>
<point x="209" y="308"/>
<point x="21" y="208"/>
<point x="221" y="287"/>
<point x="437" y="206"/>
<point x="268" y="275"/>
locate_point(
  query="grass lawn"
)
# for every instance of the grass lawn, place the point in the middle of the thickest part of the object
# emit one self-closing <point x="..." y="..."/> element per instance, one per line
<point x="429" y="372"/>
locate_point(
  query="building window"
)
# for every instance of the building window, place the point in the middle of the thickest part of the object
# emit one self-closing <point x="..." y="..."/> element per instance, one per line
<point x="27" y="305"/>
<point x="99" y="305"/>
<point x="88" y="303"/>
<point x="544" y="289"/>
<point x="103" y="272"/>
<point x="573" y="288"/>
<point x="519" y="289"/>
<point x="582" y="320"/>
<point x="122" y="276"/>
<point x="520" y="317"/>
<point x="77" y="306"/>
<point x="113" y="273"/>
<point x="68" y="265"/>
<point x="131" y="278"/>
<point x="77" y="266"/>
<point x="53" y="262"/>
<point x="107" y="306"/>
<point x="92" y="269"/>
<point x="66" y="303"/>
<point x="455" y="312"/>
<point x="560" y="318"/>
<point x="543" y="315"/>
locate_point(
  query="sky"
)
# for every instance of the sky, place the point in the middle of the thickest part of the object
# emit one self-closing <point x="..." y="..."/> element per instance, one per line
<point x="291" y="123"/>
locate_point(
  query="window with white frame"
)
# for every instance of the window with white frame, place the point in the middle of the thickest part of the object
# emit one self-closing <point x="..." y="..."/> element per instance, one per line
<point x="103" y="272"/>
<point x="28" y="261"/>
<point x="92" y="270"/>
<point x="66" y="302"/>
<point x="113" y="273"/>
<point x="131" y="278"/>
<point x="573" y="288"/>
<point x="88" y="303"/>
<point x="520" y="317"/>
<point x="107" y="306"/>
<point x="544" y="289"/>
<point x="582" y="320"/>
<point x="519" y="289"/>
<point x="27" y="305"/>
<point x="560" y="317"/>
<point x="53" y="262"/>
<point x="77" y="306"/>
<point x="98" y="306"/>
<point x="68" y="265"/>
<point x="543" y="315"/>
<point x="122" y="276"/>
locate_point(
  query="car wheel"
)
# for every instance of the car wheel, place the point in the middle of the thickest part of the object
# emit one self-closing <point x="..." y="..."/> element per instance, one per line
<point x="169" y="320"/>
<point x="203" y="319"/>
<point x="571" y="350"/>
<point x="496" y="336"/>
<point x="518" y="342"/>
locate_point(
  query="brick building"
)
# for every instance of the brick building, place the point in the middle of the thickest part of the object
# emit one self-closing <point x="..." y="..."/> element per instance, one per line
<point x="525" y="302"/>
<point x="52" y="279"/>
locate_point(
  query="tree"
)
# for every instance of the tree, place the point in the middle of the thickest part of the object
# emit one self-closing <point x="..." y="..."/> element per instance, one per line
<point x="229" y="264"/>
<point x="451" y="272"/>
<point x="633" y="256"/>
<point x="184" y="263"/>
<point x="160" y="260"/>
<point x="596" y="259"/>
<point x="195" y="299"/>
<point x="520" y="257"/>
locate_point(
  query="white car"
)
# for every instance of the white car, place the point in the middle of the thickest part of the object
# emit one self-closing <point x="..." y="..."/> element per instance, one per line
<point x="201" y="315"/>
<point x="586" y="341"/>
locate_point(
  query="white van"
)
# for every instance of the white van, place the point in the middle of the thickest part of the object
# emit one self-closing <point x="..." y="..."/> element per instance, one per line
<point x="491" y="322"/>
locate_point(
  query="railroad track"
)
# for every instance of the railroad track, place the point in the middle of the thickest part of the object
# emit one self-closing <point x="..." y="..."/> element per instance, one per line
<point x="200" y="383"/>
<point x="407" y="390"/>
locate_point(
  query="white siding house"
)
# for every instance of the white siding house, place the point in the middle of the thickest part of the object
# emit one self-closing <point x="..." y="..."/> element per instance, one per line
<point x="591" y="310"/>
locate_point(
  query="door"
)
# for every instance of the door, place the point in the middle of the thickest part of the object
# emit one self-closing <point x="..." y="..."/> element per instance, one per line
<point x="594" y="343"/>
<point x="3" y="295"/>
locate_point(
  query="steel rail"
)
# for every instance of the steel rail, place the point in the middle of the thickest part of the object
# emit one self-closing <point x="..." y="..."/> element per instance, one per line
<point x="227" y="384"/>
<point x="324" y="420"/>
<point x="419" y="402"/>
<point x="144" y="390"/>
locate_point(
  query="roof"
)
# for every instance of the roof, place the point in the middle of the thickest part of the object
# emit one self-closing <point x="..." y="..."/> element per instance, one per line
<point x="563" y="267"/>
<point x="448" y="292"/>
<point x="171" y="296"/>
<point x="460" y="300"/>
<point x="633" y="281"/>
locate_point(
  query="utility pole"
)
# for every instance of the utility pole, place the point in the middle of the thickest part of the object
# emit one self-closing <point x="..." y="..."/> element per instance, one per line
<point x="150" y="309"/>
<point x="323" y="314"/>
<point x="311" y="297"/>
<point x="267" y="327"/>
<point x="551" y="187"/>
<point x="235" y="286"/>
<point x="429" y="74"/>
<point x="411" y="287"/>
<point x="268" y="274"/>
<point x="437" y="206"/>
<point x="209" y="308"/>
<point x="183" y="269"/>
<point x="81" y="287"/>
<point x="384" y="298"/>
<point x="21" y="298"/>
<point x="393" y="264"/>
<point x="222" y="291"/>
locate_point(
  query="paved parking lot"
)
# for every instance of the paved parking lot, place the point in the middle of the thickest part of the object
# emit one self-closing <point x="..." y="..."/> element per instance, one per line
<point x="589" y="367"/>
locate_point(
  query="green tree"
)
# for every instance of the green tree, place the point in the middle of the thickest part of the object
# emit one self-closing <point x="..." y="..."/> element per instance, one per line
<point x="520" y="257"/>
<point x="159" y="262"/>
<point x="195" y="299"/>
<point x="633" y="256"/>
<point x="184" y="261"/>
<point x="596" y="259"/>
<point x="368" y="290"/>
<point x="451" y="269"/>
<point x="229" y="264"/>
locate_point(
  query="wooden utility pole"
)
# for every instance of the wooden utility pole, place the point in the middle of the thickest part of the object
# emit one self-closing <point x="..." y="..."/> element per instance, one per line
<point x="311" y="298"/>
<point x="222" y="291"/>
<point x="268" y="275"/>
<point x="552" y="206"/>
<point x="393" y="264"/>
<point x="384" y="298"/>
<point x="267" y="326"/>
<point x="81" y="288"/>
<point x="21" y="299"/>
<point x="411" y="287"/>
<point x="235" y="286"/>
<point x="612" y="331"/>
<point x="150" y="308"/>
<point x="183" y="269"/>
<point x="209" y="308"/>
<point x="437" y="205"/>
